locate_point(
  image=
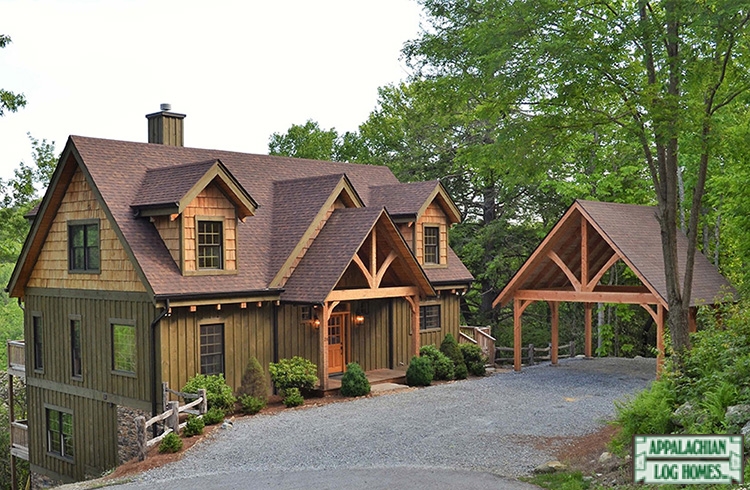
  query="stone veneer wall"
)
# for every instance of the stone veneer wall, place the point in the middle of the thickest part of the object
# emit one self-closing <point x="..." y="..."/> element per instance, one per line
<point x="127" y="442"/>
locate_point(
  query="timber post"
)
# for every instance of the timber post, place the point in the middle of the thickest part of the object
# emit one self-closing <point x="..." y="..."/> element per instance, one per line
<point x="554" y="310"/>
<point x="164" y="396"/>
<point x="173" y="421"/>
<point x="587" y="323"/>
<point x="203" y="407"/>
<point x="531" y="354"/>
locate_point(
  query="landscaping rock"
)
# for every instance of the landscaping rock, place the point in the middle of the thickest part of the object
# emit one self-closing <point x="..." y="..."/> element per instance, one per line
<point x="745" y="431"/>
<point x="737" y="415"/>
<point x="605" y="457"/>
<point x="684" y="412"/>
<point x="550" y="467"/>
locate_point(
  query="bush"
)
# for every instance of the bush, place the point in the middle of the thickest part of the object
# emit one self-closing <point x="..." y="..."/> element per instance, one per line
<point x="449" y="347"/>
<point x="650" y="412"/>
<point x="218" y="392"/>
<point x="474" y="359"/>
<point x="354" y="382"/>
<point x="193" y="427"/>
<point x="252" y="404"/>
<point x="460" y="371"/>
<point x="443" y="366"/>
<point x="420" y="372"/>
<point x="293" y="373"/>
<point x="213" y="416"/>
<point x="253" y="381"/>
<point x="170" y="444"/>
<point x="293" y="398"/>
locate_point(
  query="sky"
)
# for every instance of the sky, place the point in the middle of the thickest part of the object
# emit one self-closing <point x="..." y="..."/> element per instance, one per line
<point x="240" y="70"/>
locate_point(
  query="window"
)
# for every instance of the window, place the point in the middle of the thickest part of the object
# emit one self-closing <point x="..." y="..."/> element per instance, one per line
<point x="429" y="317"/>
<point x="210" y="245"/>
<point x="36" y="326"/>
<point x="60" y="433"/>
<point x="83" y="247"/>
<point x="123" y="348"/>
<point x="431" y="245"/>
<point x="212" y="348"/>
<point x="306" y="313"/>
<point x="75" y="347"/>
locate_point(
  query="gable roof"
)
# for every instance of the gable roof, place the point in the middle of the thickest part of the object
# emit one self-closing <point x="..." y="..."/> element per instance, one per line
<point x="123" y="174"/>
<point x="170" y="190"/>
<point x="331" y="253"/>
<point x="626" y="232"/>
<point x="410" y="199"/>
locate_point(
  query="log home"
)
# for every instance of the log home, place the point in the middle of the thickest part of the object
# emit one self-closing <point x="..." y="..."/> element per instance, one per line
<point x="150" y="263"/>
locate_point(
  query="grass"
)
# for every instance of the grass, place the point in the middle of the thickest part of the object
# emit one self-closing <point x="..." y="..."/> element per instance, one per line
<point x="560" y="480"/>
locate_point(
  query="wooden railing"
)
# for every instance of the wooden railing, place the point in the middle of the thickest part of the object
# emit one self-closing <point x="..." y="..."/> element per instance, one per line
<point x="531" y="355"/>
<point x="19" y="439"/>
<point x="171" y="416"/>
<point x="17" y="356"/>
<point x="479" y="336"/>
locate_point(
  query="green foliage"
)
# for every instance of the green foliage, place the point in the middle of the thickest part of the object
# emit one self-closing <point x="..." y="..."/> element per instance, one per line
<point x="213" y="416"/>
<point x="474" y="359"/>
<point x="560" y="480"/>
<point x="296" y="372"/>
<point x="444" y="369"/>
<point x="311" y="141"/>
<point x="649" y="412"/>
<point x="252" y="404"/>
<point x="193" y="426"/>
<point x="218" y="392"/>
<point x="170" y="444"/>
<point x="450" y="348"/>
<point x="354" y="382"/>
<point x="460" y="371"/>
<point x="253" y="380"/>
<point x="9" y="102"/>
<point x="293" y="397"/>
<point x="420" y="372"/>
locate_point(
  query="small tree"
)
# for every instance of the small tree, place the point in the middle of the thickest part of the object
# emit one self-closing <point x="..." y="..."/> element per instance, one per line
<point x="253" y="381"/>
<point x="420" y="372"/>
<point x="449" y="347"/>
<point x="444" y="369"/>
<point x="354" y="382"/>
<point x="474" y="359"/>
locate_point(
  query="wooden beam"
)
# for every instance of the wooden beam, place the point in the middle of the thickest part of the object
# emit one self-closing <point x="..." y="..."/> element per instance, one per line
<point x="571" y="277"/>
<point x="416" y="342"/>
<point x="586" y="296"/>
<point x="517" y="311"/>
<point x="364" y="270"/>
<point x="323" y="346"/>
<point x="587" y="326"/>
<point x="384" y="268"/>
<point x="373" y="254"/>
<point x="584" y="250"/>
<point x="555" y="313"/>
<point x="358" y="294"/>
<point x="595" y="280"/>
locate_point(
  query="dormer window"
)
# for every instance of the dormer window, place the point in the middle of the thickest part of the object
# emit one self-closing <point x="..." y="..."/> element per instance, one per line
<point x="431" y="244"/>
<point x="210" y="245"/>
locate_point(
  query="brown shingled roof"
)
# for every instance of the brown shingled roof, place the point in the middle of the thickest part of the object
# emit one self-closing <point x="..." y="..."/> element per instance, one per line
<point x="126" y="173"/>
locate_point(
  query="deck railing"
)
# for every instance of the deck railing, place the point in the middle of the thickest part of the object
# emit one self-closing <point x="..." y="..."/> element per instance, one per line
<point x="17" y="355"/>
<point x="479" y="336"/>
<point x="19" y="439"/>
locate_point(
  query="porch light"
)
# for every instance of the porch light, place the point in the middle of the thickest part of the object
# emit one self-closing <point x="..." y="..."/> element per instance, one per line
<point x="315" y="322"/>
<point x="359" y="319"/>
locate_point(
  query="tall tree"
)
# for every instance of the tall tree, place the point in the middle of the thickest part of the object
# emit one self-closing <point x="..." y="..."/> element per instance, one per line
<point x="650" y="74"/>
<point x="9" y="101"/>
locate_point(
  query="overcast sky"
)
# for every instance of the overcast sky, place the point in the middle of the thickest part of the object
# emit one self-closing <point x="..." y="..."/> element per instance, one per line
<point x="240" y="70"/>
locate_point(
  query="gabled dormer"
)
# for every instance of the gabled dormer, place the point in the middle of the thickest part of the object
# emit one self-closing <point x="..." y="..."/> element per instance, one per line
<point x="195" y="208"/>
<point x="423" y="212"/>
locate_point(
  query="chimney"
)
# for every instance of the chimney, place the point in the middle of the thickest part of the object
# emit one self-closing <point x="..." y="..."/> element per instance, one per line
<point x="165" y="127"/>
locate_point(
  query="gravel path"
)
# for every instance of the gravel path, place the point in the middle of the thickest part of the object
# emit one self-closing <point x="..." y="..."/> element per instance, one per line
<point x="493" y="425"/>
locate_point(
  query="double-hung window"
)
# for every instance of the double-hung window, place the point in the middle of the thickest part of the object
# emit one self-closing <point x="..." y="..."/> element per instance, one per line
<point x="76" y="365"/>
<point x="210" y="245"/>
<point x="212" y="348"/>
<point x="60" y="433"/>
<point x="431" y="244"/>
<point x="83" y="247"/>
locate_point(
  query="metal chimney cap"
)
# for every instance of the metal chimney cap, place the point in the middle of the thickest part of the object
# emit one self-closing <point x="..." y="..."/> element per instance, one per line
<point x="165" y="107"/>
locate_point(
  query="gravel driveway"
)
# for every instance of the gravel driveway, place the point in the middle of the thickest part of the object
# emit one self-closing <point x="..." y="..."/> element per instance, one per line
<point x="493" y="425"/>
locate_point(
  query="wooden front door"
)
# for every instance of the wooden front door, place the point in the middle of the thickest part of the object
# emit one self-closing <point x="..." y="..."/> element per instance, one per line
<point x="336" y="342"/>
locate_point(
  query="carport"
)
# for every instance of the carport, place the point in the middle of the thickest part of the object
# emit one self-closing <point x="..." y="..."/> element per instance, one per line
<point x="585" y="243"/>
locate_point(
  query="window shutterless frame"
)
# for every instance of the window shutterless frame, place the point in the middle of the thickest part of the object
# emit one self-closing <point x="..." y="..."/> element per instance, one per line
<point x="429" y="317"/>
<point x="38" y="340"/>
<point x="209" y="235"/>
<point x="84" y="253"/>
<point x="59" y="428"/>
<point x="76" y="361"/>
<point x="431" y="244"/>
<point x="124" y="346"/>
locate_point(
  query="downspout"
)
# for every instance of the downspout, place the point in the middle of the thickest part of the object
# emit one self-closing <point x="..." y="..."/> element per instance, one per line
<point x="164" y="313"/>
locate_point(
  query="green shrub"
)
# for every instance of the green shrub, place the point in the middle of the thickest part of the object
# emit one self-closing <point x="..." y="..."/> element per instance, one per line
<point x="170" y="444"/>
<point x="649" y="412"/>
<point x="443" y="366"/>
<point x="354" y="382"/>
<point x="449" y="347"/>
<point x="253" y="381"/>
<point x="420" y="372"/>
<point x="218" y="392"/>
<point x="213" y="416"/>
<point x="474" y="359"/>
<point x="193" y="427"/>
<point x="292" y="398"/>
<point x="460" y="371"/>
<point x="251" y="404"/>
<point x="296" y="372"/>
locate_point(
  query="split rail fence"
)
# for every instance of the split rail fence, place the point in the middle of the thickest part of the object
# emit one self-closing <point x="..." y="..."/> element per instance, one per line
<point x="170" y="417"/>
<point x="530" y="355"/>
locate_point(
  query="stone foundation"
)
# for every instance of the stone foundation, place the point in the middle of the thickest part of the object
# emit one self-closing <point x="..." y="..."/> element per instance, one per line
<point x="127" y="441"/>
<point x="39" y="481"/>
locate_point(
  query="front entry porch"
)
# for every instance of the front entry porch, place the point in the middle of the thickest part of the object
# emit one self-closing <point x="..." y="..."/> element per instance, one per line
<point x="376" y="376"/>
